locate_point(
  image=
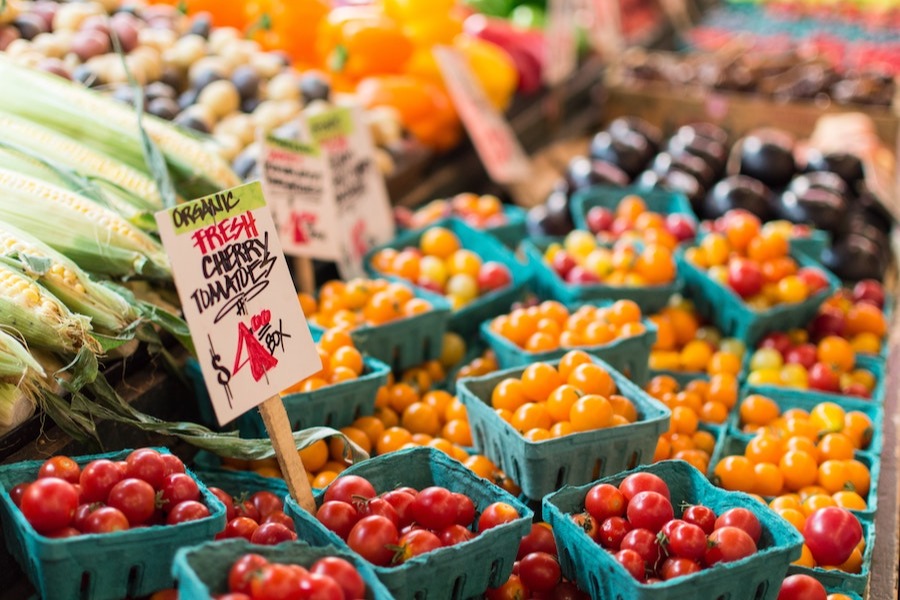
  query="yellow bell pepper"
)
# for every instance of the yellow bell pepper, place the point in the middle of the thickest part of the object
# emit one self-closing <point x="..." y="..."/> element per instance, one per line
<point x="492" y="66"/>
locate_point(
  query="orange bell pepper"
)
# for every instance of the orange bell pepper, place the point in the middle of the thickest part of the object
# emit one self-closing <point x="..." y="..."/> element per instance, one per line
<point x="358" y="41"/>
<point x="286" y="25"/>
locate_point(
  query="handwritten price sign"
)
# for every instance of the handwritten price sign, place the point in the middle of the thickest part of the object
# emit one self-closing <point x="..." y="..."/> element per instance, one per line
<point x="494" y="140"/>
<point x="238" y="298"/>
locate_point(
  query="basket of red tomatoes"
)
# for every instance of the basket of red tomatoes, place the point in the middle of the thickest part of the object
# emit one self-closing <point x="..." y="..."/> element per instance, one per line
<point x="104" y="526"/>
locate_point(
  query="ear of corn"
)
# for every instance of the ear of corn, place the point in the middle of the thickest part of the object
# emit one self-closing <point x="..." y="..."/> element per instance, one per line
<point x="67" y="152"/>
<point x="38" y="317"/>
<point x="111" y="128"/>
<point x="16" y="405"/>
<point x="94" y="237"/>
<point x="109" y="196"/>
<point x="16" y="362"/>
<point x="109" y="312"/>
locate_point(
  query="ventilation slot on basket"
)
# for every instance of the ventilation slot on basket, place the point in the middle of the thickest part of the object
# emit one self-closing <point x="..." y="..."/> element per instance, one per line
<point x="134" y="580"/>
<point x="458" y="585"/>
<point x="598" y="468"/>
<point x="357" y="412"/>
<point x="85" y="591"/>
<point x="328" y="419"/>
<point x="634" y="460"/>
<point x="426" y="347"/>
<point x="561" y="477"/>
<point x="396" y="360"/>
<point x="724" y="596"/>
<point x="517" y="473"/>
<point x="479" y="439"/>
<point x="761" y="590"/>
<point x="495" y="574"/>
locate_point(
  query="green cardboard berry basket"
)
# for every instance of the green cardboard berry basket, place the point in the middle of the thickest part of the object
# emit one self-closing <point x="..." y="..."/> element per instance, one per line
<point x="734" y="318"/>
<point x="812" y="245"/>
<point x="543" y="467"/>
<point x="657" y="200"/>
<point x="548" y="284"/>
<point x="787" y="398"/>
<point x="336" y="405"/>
<point x="202" y="571"/>
<point x="629" y="355"/>
<point x="466" y="320"/>
<point x="455" y="572"/>
<point x="756" y="577"/>
<point x="241" y="483"/>
<point x="134" y="562"/>
<point x="840" y="581"/>
<point x="730" y="445"/>
<point x="407" y="342"/>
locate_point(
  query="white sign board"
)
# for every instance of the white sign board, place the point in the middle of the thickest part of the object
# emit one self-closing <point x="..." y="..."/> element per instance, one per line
<point x="238" y="299"/>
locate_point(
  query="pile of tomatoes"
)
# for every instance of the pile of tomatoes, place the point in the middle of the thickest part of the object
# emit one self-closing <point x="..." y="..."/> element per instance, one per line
<point x="147" y="488"/>
<point x="635" y="521"/>
<point x="341" y="361"/>
<point x="395" y="526"/>
<point x="361" y="302"/>
<point x="260" y="519"/>
<point x="253" y="577"/>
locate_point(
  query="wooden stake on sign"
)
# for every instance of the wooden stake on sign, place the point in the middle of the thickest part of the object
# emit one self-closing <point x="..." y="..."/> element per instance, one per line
<point x="279" y="428"/>
<point x="306" y="276"/>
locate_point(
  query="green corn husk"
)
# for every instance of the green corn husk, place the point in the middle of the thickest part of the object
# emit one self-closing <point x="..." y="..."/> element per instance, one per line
<point x="16" y="362"/>
<point x="39" y="317"/>
<point x="16" y="405"/>
<point x="96" y="238"/>
<point x="109" y="312"/>
<point x="111" y="128"/>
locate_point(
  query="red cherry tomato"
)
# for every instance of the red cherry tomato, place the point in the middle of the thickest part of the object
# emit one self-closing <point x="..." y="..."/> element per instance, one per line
<point x="146" y="464"/>
<point x="643" y="482"/>
<point x="266" y="503"/>
<point x="512" y="589"/>
<point x="281" y="518"/>
<point x="604" y="501"/>
<point x="343" y="573"/>
<point x="173" y="464"/>
<point x="105" y="519"/>
<point x="539" y="539"/>
<point x="687" y="541"/>
<point x="728" y="544"/>
<point x="97" y="478"/>
<point x="831" y="533"/>
<point x="612" y="532"/>
<point x="239" y="527"/>
<point x="742" y="518"/>
<point x="275" y="582"/>
<point x="701" y="516"/>
<point x="632" y="562"/>
<point x="676" y="566"/>
<point x="434" y="508"/>
<point x="62" y="467"/>
<point x="588" y="525"/>
<point x="465" y="509"/>
<point x="226" y="499"/>
<point x="645" y="543"/>
<point x="15" y="494"/>
<point x="348" y="488"/>
<point x="177" y="488"/>
<point x="373" y="538"/>
<point x="135" y="498"/>
<point x="378" y="506"/>
<point x="400" y="501"/>
<point x="496" y="514"/>
<point x="339" y="517"/>
<point x="455" y="534"/>
<point x="801" y="587"/>
<point x="49" y="504"/>
<point x="244" y="570"/>
<point x="539" y="571"/>
<point x="271" y="534"/>
<point x="649" y="510"/>
<point x="189" y="510"/>
<point x="416" y="542"/>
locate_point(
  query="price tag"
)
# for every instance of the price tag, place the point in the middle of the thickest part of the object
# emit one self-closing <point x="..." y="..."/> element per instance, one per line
<point x="561" y="45"/>
<point x="363" y="212"/>
<point x="494" y="139"/>
<point x="607" y="29"/>
<point x="236" y="291"/>
<point x="296" y="181"/>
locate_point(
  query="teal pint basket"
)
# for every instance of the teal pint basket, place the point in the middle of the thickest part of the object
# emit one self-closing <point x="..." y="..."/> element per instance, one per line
<point x="548" y="284"/>
<point x="657" y="200"/>
<point x="812" y="245"/>
<point x="792" y="398"/>
<point x="407" y="342"/>
<point x="543" y="467"/>
<point x="731" y="444"/>
<point x="202" y="571"/>
<point x="239" y="483"/>
<point x="734" y="318"/>
<point x="840" y="581"/>
<point x="336" y="405"/>
<point x="134" y="562"/>
<point x="629" y="355"/>
<point x="465" y="570"/>
<point x="466" y="320"/>
<point x="756" y="577"/>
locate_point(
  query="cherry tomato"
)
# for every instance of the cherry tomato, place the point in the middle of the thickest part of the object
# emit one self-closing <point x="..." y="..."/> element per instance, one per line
<point x="105" y="519"/>
<point x="455" y="534"/>
<point x="65" y="532"/>
<point x="280" y="517"/>
<point x="372" y="538"/>
<point x="465" y="509"/>
<point x="146" y="464"/>
<point x="611" y="533"/>
<point x="15" y="494"/>
<point x="188" y="510"/>
<point x="271" y="534"/>
<point x="266" y="503"/>
<point x="173" y="464"/>
<point x="400" y="501"/>
<point x="649" y="510"/>
<point x="378" y="506"/>
<point x="687" y="541"/>
<point x="632" y="562"/>
<point x="62" y="467"/>
<point x="81" y="515"/>
<point x="539" y="571"/>
<point x="97" y="478"/>
<point x="343" y="573"/>
<point x="588" y="524"/>
<point x="677" y="566"/>
<point x="348" y="487"/>
<point x="246" y="509"/>
<point x="496" y="514"/>
<point x="701" y="516"/>
<point x="416" y="542"/>
<point x="339" y="517"/>
<point x="728" y="544"/>
<point x="512" y="589"/>
<point x="645" y="543"/>
<point x="177" y="488"/>
<point x="239" y="527"/>
<point x="226" y="499"/>
<point x="742" y="518"/>
<point x="604" y="501"/>
<point x="801" y="587"/>
<point x="49" y="504"/>
<point x="831" y="534"/>
<point x="275" y="582"/>
<point x="319" y="587"/>
<point x="434" y="508"/>
<point x="539" y="539"/>
<point x="643" y="482"/>
<point x="135" y="498"/>
<point x="244" y="570"/>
